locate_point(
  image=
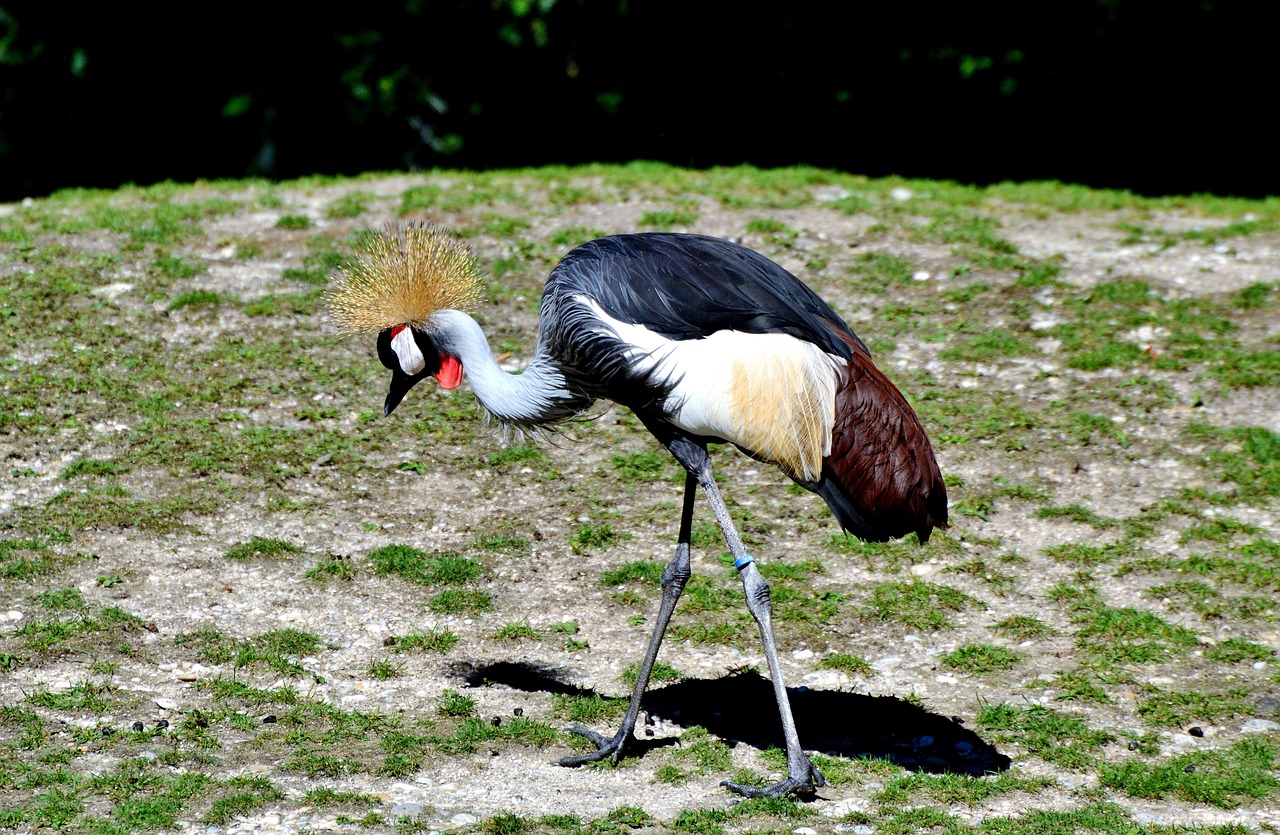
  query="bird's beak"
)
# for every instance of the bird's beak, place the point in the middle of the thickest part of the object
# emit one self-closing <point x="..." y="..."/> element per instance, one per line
<point x="400" y="385"/>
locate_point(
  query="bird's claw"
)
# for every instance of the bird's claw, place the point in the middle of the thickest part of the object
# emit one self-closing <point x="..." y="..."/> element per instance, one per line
<point x="804" y="786"/>
<point x="605" y="747"/>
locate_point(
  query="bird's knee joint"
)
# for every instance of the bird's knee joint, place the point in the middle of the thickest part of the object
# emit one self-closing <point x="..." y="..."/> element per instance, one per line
<point x="673" y="582"/>
<point x="756" y="590"/>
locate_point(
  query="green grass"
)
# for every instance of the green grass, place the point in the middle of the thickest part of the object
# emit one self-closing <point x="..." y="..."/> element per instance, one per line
<point x="590" y="536"/>
<point x="262" y="548"/>
<point x="461" y="602"/>
<point x="642" y="466"/>
<point x="1022" y="627"/>
<point x="660" y="673"/>
<point x="1170" y="709"/>
<point x="846" y="663"/>
<point x="92" y="467"/>
<point x="331" y="567"/>
<point x="278" y="650"/>
<point x="1058" y="738"/>
<point x="294" y="222"/>
<point x="436" y="640"/>
<point x="666" y="220"/>
<point x="196" y="298"/>
<point x="517" y="632"/>
<point x="954" y="789"/>
<point x="916" y="603"/>
<point x="981" y="659"/>
<point x="415" y="565"/>
<point x="1116" y="635"/>
<point x="350" y="204"/>
<point x="1235" y="650"/>
<point x="645" y="572"/>
<point x="1240" y="773"/>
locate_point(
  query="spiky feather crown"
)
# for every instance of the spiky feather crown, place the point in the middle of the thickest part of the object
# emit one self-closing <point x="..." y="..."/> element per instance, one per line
<point x="403" y="274"/>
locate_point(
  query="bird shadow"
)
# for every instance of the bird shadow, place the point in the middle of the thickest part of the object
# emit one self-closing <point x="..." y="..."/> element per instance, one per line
<point x="740" y="707"/>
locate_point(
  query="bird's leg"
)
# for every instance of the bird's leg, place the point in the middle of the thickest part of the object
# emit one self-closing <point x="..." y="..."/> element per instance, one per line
<point x="802" y="776"/>
<point x="673" y="581"/>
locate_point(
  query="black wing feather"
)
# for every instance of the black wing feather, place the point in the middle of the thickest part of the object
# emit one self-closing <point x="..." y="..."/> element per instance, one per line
<point x="690" y="286"/>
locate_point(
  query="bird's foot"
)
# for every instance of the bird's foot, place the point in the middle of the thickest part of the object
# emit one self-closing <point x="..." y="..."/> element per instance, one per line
<point x="805" y="785"/>
<point x="605" y="747"/>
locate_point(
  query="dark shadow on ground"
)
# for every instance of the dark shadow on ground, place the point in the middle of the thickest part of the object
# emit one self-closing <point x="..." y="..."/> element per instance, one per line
<point x="740" y="708"/>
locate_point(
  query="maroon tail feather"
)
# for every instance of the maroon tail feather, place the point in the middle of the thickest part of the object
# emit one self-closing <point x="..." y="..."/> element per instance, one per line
<point x="881" y="480"/>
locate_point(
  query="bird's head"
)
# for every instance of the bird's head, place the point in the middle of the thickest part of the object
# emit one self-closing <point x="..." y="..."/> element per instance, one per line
<point x="401" y="276"/>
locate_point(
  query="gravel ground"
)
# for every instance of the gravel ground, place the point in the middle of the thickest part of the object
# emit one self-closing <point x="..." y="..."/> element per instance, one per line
<point x="341" y="483"/>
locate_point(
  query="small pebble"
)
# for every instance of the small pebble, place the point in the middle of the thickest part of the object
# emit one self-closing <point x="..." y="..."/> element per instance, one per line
<point x="166" y="704"/>
<point x="406" y="809"/>
<point x="463" y="819"/>
<point x="804" y="830"/>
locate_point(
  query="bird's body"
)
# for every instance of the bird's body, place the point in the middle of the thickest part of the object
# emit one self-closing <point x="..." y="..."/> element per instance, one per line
<point x="706" y="341"/>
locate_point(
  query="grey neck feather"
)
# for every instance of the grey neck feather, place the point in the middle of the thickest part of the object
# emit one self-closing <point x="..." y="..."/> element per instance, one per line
<point x="538" y="396"/>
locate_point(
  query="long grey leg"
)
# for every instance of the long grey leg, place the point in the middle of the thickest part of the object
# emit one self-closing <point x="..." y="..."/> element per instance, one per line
<point x="673" y="581"/>
<point x="802" y="776"/>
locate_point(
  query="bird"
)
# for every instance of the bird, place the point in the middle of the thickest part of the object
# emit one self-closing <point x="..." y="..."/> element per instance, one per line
<point x="706" y="341"/>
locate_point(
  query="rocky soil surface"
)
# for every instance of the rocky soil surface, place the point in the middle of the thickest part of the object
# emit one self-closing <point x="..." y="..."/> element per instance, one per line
<point x="200" y="497"/>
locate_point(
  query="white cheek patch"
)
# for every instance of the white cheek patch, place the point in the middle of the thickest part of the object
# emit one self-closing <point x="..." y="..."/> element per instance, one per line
<point x="411" y="359"/>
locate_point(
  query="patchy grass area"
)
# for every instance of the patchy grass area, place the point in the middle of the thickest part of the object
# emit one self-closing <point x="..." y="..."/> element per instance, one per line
<point x="232" y="593"/>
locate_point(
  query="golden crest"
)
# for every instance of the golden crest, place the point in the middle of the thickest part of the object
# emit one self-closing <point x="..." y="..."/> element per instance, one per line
<point x="402" y="274"/>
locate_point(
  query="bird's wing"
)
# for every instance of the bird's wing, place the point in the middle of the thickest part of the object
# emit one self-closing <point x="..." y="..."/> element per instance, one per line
<point x="690" y="286"/>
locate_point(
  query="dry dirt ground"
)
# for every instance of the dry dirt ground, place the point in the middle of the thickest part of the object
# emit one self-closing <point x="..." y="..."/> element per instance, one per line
<point x="1096" y="632"/>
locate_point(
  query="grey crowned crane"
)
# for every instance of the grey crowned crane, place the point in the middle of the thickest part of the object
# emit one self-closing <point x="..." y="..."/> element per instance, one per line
<point x="706" y="342"/>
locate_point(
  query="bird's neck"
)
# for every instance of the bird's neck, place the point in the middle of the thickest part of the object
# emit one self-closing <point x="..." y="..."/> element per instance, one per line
<point x="537" y="396"/>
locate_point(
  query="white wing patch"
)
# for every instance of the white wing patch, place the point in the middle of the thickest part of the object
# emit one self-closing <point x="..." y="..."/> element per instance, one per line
<point x="770" y="393"/>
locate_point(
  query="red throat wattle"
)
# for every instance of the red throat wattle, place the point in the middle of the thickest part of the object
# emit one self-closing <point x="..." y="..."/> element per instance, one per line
<point x="450" y="374"/>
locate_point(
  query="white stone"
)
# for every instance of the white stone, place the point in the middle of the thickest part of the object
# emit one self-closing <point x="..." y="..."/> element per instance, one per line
<point x="113" y="291"/>
<point x="1254" y="726"/>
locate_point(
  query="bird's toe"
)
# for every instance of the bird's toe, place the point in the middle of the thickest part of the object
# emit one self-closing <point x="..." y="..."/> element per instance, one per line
<point x="605" y="747"/>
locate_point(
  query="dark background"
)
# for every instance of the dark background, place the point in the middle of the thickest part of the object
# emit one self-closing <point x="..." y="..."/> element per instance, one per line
<point x="1156" y="96"/>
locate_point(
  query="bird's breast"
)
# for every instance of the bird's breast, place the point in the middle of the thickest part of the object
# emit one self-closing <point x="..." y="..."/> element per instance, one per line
<point x="770" y="393"/>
